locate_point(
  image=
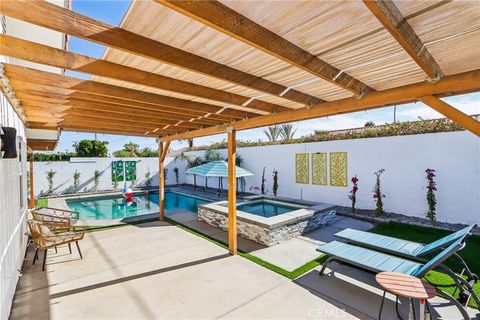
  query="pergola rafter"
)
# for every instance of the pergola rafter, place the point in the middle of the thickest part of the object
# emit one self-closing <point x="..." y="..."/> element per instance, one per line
<point x="29" y="75"/>
<point x="38" y="53"/>
<point x="54" y="17"/>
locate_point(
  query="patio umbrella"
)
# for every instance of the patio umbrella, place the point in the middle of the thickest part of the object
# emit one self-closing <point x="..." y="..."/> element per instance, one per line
<point x="217" y="169"/>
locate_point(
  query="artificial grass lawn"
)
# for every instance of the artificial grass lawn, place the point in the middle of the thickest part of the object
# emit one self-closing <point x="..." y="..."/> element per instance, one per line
<point x="42" y="202"/>
<point x="471" y="252"/>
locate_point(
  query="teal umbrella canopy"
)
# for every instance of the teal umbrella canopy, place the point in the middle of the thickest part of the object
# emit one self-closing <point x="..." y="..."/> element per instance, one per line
<point x="217" y="169"/>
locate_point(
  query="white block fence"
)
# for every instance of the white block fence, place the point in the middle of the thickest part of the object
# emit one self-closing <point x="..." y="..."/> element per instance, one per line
<point x="63" y="179"/>
<point x="454" y="155"/>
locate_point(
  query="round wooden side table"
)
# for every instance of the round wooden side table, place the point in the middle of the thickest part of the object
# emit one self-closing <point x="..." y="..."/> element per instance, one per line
<point x="406" y="286"/>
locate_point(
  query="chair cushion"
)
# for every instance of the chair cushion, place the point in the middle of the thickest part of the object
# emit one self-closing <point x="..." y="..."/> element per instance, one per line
<point x="369" y="259"/>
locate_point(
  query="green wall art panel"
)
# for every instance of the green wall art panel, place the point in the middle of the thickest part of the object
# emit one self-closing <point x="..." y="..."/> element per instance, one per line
<point x="338" y="169"/>
<point x="130" y="170"/>
<point x="301" y="168"/>
<point x="319" y="168"/>
<point x="117" y="170"/>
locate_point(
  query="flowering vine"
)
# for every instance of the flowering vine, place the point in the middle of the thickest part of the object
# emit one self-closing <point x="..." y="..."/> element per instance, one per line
<point x="432" y="201"/>
<point x="353" y="192"/>
<point x="377" y="193"/>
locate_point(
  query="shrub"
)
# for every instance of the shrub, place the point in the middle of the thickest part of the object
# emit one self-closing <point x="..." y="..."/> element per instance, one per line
<point x="393" y="129"/>
<point x="275" y="182"/>
<point x="175" y="170"/>
<point x="50" y="177"/>
<point x="148" y="181"/>
<point x="262" y="188"/>
<point x="76" y="181"/>
<point x="96" y="180"/>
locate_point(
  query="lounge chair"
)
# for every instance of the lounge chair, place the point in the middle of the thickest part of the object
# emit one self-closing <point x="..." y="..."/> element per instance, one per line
<point x="376" y="262"/>
<point x="47" y="236"/>
<point x="416" y="251"/>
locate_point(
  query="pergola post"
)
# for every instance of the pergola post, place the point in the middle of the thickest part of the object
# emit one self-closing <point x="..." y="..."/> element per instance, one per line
<point x="232" y="196"/>
<point x="162" y="153"/>
<point x="31" y="203"/>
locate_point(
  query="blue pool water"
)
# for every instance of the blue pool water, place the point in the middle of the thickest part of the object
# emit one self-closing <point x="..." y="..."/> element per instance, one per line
<point x="266" y="208"/>
<point x="117" y="207"/>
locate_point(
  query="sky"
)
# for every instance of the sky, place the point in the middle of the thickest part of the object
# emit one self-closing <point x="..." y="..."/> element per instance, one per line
<point x="113" y="11"/>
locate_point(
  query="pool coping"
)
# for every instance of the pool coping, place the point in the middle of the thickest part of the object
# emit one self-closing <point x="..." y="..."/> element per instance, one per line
<point x="221" y="207"/>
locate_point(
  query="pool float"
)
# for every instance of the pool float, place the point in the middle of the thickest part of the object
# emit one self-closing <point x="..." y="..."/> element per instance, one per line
<point x="129" y="201"/>
<point x="127" y="192"/>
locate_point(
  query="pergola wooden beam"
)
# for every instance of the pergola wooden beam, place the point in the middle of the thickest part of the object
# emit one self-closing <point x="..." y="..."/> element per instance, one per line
<point x="222" y="18"/>
<point x="450" y="85"/>
<point x="452" y="113"/>
<point x="392" y="19"/>
<point x="39" y="53"/>
<point x="54" y="17"/>
<point x="51" y="79"/>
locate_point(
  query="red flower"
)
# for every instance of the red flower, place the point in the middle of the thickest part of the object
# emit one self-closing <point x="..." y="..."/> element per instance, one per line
<point x="355" y="179"/>
<point x="355" y="189"/>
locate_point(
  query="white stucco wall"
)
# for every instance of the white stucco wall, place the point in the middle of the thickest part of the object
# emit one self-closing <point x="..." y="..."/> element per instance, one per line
<point x="455" y="156"/>
<point x="63" y="180"/>
<point x="13" y="177"/>
<point x="13" y="208"/>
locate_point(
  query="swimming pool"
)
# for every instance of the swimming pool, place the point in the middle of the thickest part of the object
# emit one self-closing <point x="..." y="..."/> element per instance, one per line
<point x="267" y="208"/>
<point x="111" y="207"/>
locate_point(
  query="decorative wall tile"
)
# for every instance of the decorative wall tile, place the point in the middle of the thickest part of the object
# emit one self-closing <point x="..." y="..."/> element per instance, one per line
<point x="301" y="166"/>
<point x="338" y="169"/>
<point x="319" y="168"/>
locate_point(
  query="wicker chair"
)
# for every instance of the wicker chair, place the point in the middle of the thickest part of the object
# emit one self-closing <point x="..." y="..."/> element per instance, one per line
<point x="55" y="215"/>
<point x="47" y="235"/>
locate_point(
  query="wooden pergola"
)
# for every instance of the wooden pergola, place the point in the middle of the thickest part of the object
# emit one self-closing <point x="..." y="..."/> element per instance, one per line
<point x="184" y="69"/>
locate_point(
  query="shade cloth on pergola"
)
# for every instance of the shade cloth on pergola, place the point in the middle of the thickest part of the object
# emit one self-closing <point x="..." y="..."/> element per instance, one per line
<point x="217" y="169"/>
<point x="187" y="69"/>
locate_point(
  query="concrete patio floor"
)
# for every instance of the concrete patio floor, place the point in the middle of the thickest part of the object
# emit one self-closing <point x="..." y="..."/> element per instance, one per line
<point x="156" y="270"/>
<point x="288" y="255"/>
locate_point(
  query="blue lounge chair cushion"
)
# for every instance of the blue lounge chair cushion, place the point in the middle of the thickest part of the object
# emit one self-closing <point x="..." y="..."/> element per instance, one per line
<point x="379" y="241"/>
<point x="369" y="259"/>
<point x="382" y="262"/>
<point x="400" y="246"/>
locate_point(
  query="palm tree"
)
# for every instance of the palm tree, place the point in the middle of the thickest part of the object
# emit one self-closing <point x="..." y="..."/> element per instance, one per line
<point x="272" y="132"/>
<point x="132" y="148"/>
<point x="287" y="132"/>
